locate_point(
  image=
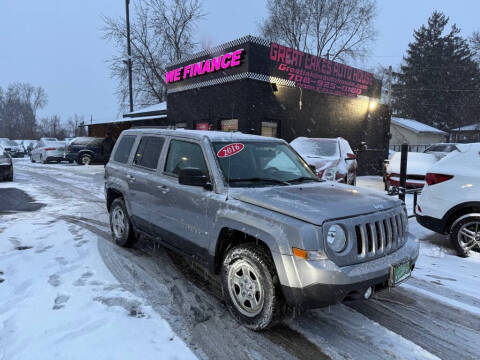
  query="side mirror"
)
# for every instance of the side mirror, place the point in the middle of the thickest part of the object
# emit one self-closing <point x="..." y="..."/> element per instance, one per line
<point x="351" y="156"/>
<point x="193" y="177"/>
<point x="313" y="168"/>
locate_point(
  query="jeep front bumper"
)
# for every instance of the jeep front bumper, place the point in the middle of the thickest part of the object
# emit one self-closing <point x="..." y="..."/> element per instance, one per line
<point x="313" y="284"/>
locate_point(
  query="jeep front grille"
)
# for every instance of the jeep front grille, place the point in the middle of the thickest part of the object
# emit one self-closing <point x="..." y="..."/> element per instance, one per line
<point x="380" y="237"/>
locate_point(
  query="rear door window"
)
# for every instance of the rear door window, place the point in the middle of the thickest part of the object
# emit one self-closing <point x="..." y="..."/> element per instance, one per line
<point x="148" y="152"/>
<point x="123" y="150"/>
<point x="183" y="154"/>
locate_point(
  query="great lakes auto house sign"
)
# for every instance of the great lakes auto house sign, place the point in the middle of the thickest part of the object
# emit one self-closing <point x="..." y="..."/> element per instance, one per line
<point x="257" y="59"/>
<point x="319" y="74"/>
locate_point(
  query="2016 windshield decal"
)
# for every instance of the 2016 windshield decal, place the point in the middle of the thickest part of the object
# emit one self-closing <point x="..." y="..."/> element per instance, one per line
<point x="222" y="62"/>
<point x="230" y="149"/>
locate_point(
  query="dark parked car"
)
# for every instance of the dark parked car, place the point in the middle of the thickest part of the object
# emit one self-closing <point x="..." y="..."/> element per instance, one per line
<point x="85" y="151"/>
<point x="6" y="165"/>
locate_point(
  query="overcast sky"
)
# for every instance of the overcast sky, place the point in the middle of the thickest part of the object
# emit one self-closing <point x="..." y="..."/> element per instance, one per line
<point x="58" y="44"/>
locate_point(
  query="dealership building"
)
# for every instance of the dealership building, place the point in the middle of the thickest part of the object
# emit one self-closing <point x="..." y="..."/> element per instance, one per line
<point x="254" y="86"/>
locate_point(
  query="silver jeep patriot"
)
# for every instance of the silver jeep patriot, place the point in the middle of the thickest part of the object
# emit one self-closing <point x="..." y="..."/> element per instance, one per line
<point x="250" y="210"/>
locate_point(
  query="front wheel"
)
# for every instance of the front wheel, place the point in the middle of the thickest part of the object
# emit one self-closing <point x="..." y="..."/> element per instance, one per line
<point x="251" y="288"/>
<point x="465" y="235"/>
<point x="120" y="225"/>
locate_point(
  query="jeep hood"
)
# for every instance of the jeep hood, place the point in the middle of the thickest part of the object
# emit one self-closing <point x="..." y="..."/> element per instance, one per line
<point x="316" y="203"/>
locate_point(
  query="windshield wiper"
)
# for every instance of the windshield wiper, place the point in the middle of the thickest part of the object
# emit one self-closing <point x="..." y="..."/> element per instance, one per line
<point x="256" y="179"/>
<point x="304" y="178"/>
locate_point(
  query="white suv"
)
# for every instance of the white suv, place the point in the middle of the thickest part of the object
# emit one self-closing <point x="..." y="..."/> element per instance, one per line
<point x="450" y="202"/>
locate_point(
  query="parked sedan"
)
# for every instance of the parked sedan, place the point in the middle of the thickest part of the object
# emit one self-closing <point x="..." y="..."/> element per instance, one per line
<point x="6" y="165"/>
<point x="450" y="202"/>
<point x="333" y="159"/>
<point x="85" y="151"/>
<point x="14" y="149"/>
<point x="417" y="166"/>
<point x="441" y="150"/>
<point x="46" y="151"/>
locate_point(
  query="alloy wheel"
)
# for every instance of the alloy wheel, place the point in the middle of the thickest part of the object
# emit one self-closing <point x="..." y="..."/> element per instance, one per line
<point x="245" y="288"/>
<point x="469" y="235"/>
<point x="118" y="222"/>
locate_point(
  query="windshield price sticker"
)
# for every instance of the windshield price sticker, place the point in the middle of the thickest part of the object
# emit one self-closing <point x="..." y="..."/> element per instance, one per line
<point x="230" y="149"/>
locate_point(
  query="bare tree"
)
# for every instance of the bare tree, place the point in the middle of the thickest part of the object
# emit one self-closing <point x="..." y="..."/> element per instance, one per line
<point x="161" y="31"/>
<point x="336" y="29"/>
<point x="18" y="107"/>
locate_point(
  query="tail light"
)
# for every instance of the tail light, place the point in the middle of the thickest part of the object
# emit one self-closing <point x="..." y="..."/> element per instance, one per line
<point x="50" y="149"/>
<point x="69" y="149"/>
<point x="433" y="179"/>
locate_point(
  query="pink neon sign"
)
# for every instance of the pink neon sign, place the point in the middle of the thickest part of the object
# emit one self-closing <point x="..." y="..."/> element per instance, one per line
<point x="222" y="62"/>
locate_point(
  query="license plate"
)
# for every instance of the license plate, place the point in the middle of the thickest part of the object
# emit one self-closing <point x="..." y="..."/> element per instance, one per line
<point x="399" y="273"/>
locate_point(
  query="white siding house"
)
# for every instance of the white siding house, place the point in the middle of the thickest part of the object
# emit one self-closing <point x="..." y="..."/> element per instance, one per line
<point x="414" y="132"/>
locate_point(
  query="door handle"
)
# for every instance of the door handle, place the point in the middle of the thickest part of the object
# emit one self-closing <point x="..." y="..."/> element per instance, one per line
<point x="130" y="178"/>
<point x="163" y="189"/>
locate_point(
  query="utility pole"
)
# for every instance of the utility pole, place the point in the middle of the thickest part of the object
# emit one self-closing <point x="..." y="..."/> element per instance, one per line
<point x="129" y="54"/>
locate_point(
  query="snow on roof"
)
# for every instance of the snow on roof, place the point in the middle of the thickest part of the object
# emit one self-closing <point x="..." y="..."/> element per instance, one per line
<point x="126" y="119"/>
<point x="212" y="135"/>
<point x="468" y="127"/>
<point x="416" y="126"/>
<point x="157" y="107"/>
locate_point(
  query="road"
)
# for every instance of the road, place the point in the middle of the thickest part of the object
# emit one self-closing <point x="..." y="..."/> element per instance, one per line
<point x="434" y="315"/>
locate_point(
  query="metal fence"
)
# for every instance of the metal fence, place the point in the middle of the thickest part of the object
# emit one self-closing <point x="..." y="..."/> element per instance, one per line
<point x="411" y="148"/>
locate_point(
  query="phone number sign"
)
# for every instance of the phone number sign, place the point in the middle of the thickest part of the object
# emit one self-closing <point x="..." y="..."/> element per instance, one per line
<point x="319" y="74"/>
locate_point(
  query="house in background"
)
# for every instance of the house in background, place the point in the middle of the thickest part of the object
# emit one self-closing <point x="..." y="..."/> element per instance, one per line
<point x="466" y="134"/>
<point x="414" y="133"/>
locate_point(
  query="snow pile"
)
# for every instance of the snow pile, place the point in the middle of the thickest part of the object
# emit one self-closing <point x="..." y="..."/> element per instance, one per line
<point x="58" y="300"/>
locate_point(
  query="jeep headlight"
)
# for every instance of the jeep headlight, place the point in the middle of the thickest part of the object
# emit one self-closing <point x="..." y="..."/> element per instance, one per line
<point x="330" y="174"/>
<point x="336" y="238"/>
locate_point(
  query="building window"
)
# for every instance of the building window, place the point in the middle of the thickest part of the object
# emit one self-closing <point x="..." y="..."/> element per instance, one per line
<point x="202" y="126"/>
<point x="269" y="128"/>
<point x="229" y="125"/>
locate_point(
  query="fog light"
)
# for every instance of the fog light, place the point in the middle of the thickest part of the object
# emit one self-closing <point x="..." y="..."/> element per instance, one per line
<point x="368" y="293"/>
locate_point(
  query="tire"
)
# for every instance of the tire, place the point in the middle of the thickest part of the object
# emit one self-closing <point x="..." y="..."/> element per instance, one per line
<point x="10" y="176"/>
<point x="120" y="225"/>
<point x="465" y="235"/>
<point x="85" y="159"/>
<point x="42" y="161"/>
<point x="249" y="273"/>
<point x="31" y="159"/>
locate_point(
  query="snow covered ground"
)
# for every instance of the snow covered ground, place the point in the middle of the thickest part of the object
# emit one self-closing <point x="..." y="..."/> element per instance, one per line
<point x="58" y="300"/>
<point x="67" y="292"/>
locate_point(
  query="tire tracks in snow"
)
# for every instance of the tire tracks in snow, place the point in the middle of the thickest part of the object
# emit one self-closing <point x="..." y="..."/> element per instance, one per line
<point x="397" y="324"/>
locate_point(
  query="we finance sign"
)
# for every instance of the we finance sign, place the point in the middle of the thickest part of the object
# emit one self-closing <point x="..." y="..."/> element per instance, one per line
<point x="319" y="74"/>
<point x="208" y="66"/>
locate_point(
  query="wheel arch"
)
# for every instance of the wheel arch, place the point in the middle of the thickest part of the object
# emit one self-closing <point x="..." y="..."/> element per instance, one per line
<point x="457" y="211"/>
<point x="85" y="152"/>
<point x="229" y="237"/>
<point x="113" y="194"/>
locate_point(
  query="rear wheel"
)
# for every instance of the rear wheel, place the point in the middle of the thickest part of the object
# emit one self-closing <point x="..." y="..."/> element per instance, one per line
<point x="43" y="161"/>
<point x="465" y="235"/>
<point x="85" y="159"/>
<point x="251" y="288"/>
<point x="122" y="231"/>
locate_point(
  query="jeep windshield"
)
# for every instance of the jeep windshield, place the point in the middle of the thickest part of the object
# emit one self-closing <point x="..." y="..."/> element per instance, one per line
<point x="252" y="164"/>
